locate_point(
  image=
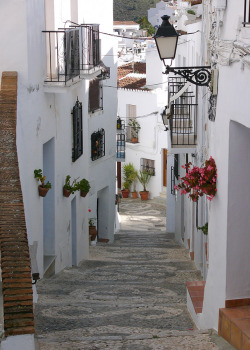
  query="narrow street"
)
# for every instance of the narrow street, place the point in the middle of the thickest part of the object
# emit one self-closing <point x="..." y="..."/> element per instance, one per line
<point x="131" y="295"/>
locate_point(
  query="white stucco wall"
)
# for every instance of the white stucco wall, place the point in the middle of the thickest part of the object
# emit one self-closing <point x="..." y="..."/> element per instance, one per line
<point x="152" y="137"/>
<point x="43" y="116"/>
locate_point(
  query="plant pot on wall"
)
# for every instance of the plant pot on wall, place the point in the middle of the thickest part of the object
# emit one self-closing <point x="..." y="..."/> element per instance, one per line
<point x="144" y="195"/>
<point x="42" y="191"/>
<point x="83" y="193"/>
<point x="125" y="193"/>
<point x="66" y="193"/>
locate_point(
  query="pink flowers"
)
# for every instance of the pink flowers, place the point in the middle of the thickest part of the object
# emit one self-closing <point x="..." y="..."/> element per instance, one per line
<point x="199" y="181"/>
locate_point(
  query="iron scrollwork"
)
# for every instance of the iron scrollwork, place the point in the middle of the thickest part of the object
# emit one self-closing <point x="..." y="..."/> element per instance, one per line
<point x="200" y="76"/>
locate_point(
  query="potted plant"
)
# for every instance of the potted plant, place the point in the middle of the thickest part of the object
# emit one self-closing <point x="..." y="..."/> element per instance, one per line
<point x="135" y="128"/>
<point x="44" y="186"/>
<point x="92" y="228"/>
<point x="144" y="177"/>
<point x="133" y="178"/>
<point x="69" y="188"/>
<point x="83" y="186"/>
<point x="128" y="169"/>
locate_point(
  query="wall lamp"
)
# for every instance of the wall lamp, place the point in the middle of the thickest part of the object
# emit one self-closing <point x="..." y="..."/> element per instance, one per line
<point x="166" y="39"/>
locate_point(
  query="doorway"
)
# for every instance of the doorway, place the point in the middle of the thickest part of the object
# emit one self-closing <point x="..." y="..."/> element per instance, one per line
<point x="73" y="232"/>
<point x="49" y="209"/>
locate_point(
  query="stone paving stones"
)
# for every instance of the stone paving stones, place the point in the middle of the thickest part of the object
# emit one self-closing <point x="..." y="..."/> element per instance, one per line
<point x="130" y="295"/>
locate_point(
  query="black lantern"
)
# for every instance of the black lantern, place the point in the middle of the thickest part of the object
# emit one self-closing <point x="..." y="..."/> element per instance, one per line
<point x="166" y="39"/>
<point x="119" y="123"/>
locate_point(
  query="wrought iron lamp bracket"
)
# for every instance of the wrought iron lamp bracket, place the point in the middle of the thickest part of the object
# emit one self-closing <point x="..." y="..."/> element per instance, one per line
<point x="200" y="75"/>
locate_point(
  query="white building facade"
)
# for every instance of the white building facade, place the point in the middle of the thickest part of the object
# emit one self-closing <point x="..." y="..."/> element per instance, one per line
<point x="223" y="131"/>
<point x="49" y="85"/>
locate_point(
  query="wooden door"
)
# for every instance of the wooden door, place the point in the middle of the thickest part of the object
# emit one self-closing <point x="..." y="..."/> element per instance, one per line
<point x="165" y="152"/>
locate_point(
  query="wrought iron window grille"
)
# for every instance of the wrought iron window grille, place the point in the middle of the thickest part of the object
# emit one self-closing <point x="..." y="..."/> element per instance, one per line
<point x="98" y="144"/>
<point x="172" y="181"/>
<point x="176" y="166"/>
<point x="120" y="146"/>
<point x="183" y="114"/>
<point x="148" y="165"/>
<point x="77" y="149"/>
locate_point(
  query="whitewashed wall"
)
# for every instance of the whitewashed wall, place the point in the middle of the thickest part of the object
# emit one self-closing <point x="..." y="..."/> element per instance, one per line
<point x="43" y="116"/>
<point x="152" y="137"/>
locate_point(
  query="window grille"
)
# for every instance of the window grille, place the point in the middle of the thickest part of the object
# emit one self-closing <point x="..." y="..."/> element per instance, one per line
<point x="131" y="114"/>
<point x="98" y="144"/>
<point x="95" y="95"/>
<point x="77" y="148"/>
<point x="120" y="146"/>
<point x="148" y="165"/>
<point x="176" y="166"/>
<point x="172" y="181"/>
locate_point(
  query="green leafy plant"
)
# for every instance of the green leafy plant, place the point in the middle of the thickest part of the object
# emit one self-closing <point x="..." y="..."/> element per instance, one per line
<point x="144" y="178"/>
<point x="83" y="185"/>
<point x="133" y="178"/>
<point x="128" y="170"/>
<point x="72" y="187"/>
<point x="191" y="12"/>
<point x="38" y="175"/>
<point x="204" y="228"/>
<point x="135" y="127"/>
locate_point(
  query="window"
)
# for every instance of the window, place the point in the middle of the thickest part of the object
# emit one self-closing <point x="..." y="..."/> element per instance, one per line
<point x="95" y="95"/>
<point x="98" y="144"/>
<point x="246" y="12"/>
<point x="77" y="148"/>
<point x="148" y="165"/>
<point x="176" y="166"/>
<point x="120" y="146"/>
<point x="131" y="114"/>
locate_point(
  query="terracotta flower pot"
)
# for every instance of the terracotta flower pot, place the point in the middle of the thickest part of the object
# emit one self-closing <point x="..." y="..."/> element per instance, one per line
<point x="125" y="193"/>
<point x="92" y="232"/>
<point x="66" y="193"/>
<point x="42" y="191"/>
<point x="134" y="140"/>
<point x="134" y="195"/>
<point x="144" y="195"/>
<point x="83" y="194"/>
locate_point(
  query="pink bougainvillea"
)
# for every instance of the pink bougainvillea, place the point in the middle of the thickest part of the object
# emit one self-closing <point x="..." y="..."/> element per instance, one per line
<point x="199" y="181"/>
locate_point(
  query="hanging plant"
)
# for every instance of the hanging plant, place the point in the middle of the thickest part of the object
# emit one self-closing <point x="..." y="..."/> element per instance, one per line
<point x="199" y="181"/>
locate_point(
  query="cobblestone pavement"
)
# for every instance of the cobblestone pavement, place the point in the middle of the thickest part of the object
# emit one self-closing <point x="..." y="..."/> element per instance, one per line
<point x="130" y="295"/>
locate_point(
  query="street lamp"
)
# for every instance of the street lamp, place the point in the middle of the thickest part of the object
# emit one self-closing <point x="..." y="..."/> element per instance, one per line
<point x="166" y="39"/>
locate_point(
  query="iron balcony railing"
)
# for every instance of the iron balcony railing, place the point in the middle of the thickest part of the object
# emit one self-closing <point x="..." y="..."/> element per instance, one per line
<point x="183" y="122"/>
<point x="73" y="51"/>
<point x="63" y="56"/>
<point x="90" y="46"/>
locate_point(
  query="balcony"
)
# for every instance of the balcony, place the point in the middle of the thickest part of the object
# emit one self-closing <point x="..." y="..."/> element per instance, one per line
<point x="73" y="54"/>
<point x="183" y="121"/>
<point x="63" y="56"/>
